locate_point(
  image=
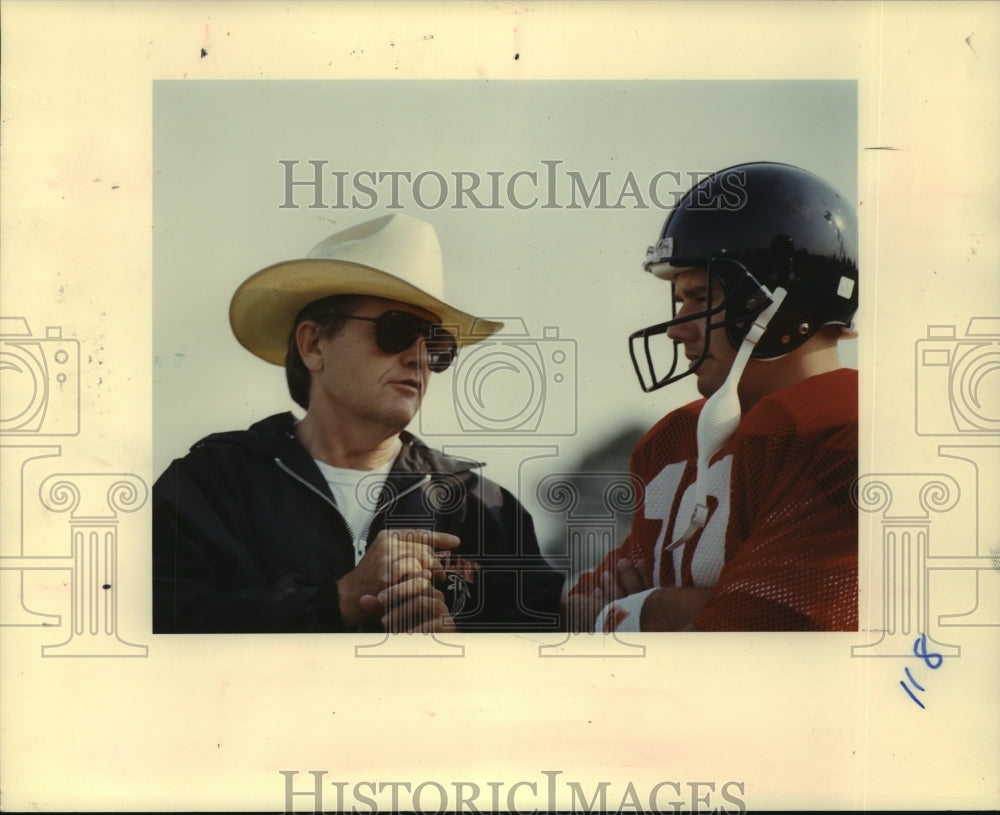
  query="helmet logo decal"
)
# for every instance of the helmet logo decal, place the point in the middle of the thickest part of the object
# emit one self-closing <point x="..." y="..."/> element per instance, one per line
<point x="658" y="257"/>
<point x="846" y="287"/>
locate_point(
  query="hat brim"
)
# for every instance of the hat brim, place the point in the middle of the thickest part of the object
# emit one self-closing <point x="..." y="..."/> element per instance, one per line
<point x="264" y="307"/>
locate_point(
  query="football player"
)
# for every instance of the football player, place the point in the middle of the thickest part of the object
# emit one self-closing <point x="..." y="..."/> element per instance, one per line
<point x="747" y="520"/>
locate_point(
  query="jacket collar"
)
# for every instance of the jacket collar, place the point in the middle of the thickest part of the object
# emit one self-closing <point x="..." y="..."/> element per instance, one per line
<point x="274" y="437"/>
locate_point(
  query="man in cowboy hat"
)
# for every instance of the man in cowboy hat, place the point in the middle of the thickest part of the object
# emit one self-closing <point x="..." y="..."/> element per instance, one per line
<point x="343" y="521"/>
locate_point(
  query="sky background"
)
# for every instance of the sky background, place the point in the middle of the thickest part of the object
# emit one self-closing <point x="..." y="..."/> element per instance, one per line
<point x="564" y="279"/>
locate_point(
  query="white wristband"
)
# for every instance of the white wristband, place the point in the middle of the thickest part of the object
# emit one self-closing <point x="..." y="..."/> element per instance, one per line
<point x="623" y="614"/>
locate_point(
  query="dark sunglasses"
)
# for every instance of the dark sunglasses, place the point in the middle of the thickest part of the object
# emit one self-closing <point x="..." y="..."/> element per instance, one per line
<point x="395" y="331"/>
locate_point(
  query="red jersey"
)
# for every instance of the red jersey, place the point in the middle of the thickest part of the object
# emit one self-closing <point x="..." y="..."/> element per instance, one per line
<point x="780" y="545"/>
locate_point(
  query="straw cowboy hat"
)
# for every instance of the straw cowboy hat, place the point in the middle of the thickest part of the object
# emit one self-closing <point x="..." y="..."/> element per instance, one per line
<point x="396" y="257"/>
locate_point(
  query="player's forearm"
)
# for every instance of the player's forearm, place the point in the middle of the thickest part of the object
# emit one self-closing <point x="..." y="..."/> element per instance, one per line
<point x="673" y="609"/>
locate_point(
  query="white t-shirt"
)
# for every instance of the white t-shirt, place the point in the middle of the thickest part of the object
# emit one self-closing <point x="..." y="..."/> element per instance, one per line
<point x="356" y="493"/>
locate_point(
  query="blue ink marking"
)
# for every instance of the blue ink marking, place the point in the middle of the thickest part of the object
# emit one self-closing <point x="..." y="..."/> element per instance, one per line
<point x="914" y="698"/>
<point x="920" y="650"/>
<point x="916" y="684"/>
<point x="931" y="660"/>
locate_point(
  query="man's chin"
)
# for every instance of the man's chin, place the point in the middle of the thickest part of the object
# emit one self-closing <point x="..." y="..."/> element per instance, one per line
<point x="404" y="414"/>
<point x="706" y="385"/>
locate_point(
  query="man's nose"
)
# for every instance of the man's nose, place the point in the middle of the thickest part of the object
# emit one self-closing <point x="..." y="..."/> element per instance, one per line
<point x="416" y="355"/>
<point x="683" y="332"/>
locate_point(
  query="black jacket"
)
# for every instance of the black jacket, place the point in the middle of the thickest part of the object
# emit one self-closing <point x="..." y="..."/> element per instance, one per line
<point x="247" y="538"/>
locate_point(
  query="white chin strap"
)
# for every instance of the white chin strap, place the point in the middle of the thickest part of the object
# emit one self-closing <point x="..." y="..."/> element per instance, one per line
<point x="721" y="415"/>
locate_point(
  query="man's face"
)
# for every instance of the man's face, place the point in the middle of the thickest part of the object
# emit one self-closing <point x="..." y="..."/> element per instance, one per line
<point x="691" y="294"/>
<point x="358" y="384"/>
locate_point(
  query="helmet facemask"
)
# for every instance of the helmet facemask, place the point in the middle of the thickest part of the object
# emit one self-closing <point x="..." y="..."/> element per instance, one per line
<point x="655" y="356"/>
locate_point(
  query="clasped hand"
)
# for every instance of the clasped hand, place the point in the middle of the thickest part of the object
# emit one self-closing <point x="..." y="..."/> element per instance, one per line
<point x="395" y="583"/>
<point x="582" y="607"/>
<point x="671" y="608"/>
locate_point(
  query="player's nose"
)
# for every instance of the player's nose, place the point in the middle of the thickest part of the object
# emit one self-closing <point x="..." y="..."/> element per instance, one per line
<point x="683" y="332"/>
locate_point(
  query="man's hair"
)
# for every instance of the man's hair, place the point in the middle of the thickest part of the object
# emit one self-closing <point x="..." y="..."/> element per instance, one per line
<point x="322" y="312"/>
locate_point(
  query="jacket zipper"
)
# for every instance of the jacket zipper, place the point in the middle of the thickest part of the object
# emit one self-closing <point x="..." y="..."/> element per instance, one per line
<point x="362" y="542"/>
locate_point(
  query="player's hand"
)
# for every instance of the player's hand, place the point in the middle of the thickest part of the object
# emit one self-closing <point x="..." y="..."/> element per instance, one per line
<point x="395" y="556"/>
<point x="673" y="609"/>
<point x="633" y="578"/>
<point x="666" y="609"/>
<point x="581" y="608"/>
